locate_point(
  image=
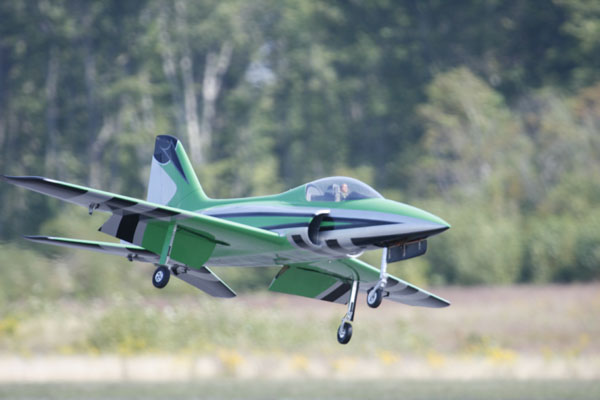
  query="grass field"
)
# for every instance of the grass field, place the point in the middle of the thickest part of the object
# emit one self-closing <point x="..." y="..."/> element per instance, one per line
<point x="313" y="389"/>
<point x="516" y="334"/>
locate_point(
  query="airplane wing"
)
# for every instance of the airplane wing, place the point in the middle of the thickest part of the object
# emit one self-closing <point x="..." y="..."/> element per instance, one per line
<point x="201" y="278"/>
<point x="148" y="225"/>
<point x="331" y="280"/>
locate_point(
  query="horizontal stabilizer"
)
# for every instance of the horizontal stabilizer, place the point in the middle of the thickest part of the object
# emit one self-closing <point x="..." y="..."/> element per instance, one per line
<point x="202" y="278"/>
<point x="132" y="252"/>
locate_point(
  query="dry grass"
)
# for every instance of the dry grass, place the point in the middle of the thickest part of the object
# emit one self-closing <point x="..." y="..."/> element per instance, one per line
<point x="498" y="332"/>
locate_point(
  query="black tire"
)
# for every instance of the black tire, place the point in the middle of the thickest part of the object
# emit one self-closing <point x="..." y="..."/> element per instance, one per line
<point x="161" y="276"/>
<point x="374" y="297"/>
<point x="344" y="333"/>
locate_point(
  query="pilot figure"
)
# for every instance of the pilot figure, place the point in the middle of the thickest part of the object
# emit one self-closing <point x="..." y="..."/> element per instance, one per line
<point x="340" y="192"/>
<point x="344" y="191"/>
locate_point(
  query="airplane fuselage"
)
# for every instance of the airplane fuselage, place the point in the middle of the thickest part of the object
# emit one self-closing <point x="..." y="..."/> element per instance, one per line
<point x="342" y="230"/>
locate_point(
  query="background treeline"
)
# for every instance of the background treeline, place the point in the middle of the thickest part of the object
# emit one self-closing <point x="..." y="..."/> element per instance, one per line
<point x="486" y="113"/>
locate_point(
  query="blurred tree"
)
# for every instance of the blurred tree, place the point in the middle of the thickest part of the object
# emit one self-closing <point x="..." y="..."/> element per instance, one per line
<point x="472" y="142"/>
<point x="492" y="105"/>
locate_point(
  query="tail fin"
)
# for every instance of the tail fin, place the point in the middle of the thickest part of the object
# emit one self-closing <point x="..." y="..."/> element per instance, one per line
<point x="172" y="178"/>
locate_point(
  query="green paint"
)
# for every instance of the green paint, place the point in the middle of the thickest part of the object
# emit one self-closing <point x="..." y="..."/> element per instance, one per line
<point x="302" y="282"/>
<point x="191" y="248"/>
<point x="164" y="251"/>
<point x="392" y="207"/>
<point x="154" y="236"/>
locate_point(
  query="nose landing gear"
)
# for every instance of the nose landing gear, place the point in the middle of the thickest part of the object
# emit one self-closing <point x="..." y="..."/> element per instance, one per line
<point x="375" y="295"/>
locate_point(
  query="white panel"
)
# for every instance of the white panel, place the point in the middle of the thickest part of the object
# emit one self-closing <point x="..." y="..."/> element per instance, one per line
<point x="161" y="187"/>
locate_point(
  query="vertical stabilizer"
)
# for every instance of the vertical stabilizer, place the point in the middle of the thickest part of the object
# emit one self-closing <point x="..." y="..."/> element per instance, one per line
<point x="173" y="181"/>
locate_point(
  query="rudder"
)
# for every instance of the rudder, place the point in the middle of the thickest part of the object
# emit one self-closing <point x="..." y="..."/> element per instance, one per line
<point x="173" y="181"/>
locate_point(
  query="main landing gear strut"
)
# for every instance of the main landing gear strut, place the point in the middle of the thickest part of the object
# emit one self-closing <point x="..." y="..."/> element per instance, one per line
<point x="374" y="298"/>
<point x="344" y="333"/>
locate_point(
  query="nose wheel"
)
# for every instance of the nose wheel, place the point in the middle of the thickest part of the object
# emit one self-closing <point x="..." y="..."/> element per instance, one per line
<point x="161" y="276"/>
<point x="375" y="295"/>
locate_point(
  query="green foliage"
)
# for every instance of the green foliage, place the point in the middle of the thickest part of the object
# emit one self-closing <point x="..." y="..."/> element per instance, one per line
<point x="492" y="107"/>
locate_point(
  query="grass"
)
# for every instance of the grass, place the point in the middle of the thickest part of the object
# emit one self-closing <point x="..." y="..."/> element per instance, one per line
<point x="498" y="323"/>
<point x="525" y="332"/>
<point x="313" y="389"/>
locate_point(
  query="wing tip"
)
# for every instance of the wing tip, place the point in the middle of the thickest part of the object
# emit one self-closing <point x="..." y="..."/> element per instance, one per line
<point x="437" y="302"/>
<point x="35" y="238"/>
<point x="228" y="295"/>
<point x="8" y="178"/>
<point x="15" y="180"/>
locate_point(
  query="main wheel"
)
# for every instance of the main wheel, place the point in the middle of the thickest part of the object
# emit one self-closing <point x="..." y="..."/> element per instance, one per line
<point x="374" y="297"/>
<point x="161" y="277"/>
<point x="344" y="333"/>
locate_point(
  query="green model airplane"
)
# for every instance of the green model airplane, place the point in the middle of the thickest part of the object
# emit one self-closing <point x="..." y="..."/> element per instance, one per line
<point x="314" y="232"/>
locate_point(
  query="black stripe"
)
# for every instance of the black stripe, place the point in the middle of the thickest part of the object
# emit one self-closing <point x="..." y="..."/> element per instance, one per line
<point x="333" y="244"/>
<point x="116" y="203"/>
<point x="298" y="240"/>
<point x="127" y="226"/>
<point x="337" y="293"/>
<point x="54" y="189"/>
<point x="383" y="241"/>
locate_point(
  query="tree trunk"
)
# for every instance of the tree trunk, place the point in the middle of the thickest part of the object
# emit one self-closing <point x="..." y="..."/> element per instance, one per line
<point x="166" y="46"/>
<point x="4" y="103"/>
<point x="196" y="148"/>
<point x="90" y="75"/>
<point x="51" y="112"/>
<point x="97" y="151"/>
<point x="191" y="110"/>
<point x="215" y="68"/>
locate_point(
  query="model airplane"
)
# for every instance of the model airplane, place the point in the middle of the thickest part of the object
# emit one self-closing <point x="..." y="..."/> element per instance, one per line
<point x="314" y="232"/>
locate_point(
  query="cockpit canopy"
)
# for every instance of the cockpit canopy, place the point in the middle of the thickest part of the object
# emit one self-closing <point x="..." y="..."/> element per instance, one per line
<point x="339" y="188"/>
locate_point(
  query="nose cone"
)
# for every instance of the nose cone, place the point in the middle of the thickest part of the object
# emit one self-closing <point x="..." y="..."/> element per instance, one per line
<point x="410" y="213"/>
<point x="415" y="212"/>
<point x="385" y="223"/>
<point x="420" y="222"/>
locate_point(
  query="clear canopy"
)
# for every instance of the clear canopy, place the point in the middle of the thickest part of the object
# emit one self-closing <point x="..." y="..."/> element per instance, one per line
<point x="339" y="188"/>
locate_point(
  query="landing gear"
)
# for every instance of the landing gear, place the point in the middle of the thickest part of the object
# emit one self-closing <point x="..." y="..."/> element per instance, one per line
<point x="160" y="278"/>
<point x="375" y="295"/>
<point x="344" y="333"/>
